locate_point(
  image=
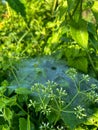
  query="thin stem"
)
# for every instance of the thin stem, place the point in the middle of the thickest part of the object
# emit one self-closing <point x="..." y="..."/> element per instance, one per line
<point x="57" y="104"/>
<point x="76" y="85"/>
<point x="14" y="75"/>
<point x="54" y="5"/>
<point x="56" y="110"/>
<point x="79" y="83"/>
<point x="71" y="101"/>
<point x="28" y="122"/>
<point x="21" y="108"/>
<point x="8" y="9"/>
<point x="23" y="36"/>
<point x="68" y="111"/>
<point x="91" y="62"/>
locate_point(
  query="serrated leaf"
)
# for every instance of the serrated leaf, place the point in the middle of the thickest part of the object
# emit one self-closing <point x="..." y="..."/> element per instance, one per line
<point x="2" y="90"/>
<point x="7" y="114"/>
<point x="80" y="63"/>
<point x="3" y="102"/>
<point x="79" y="33"/>
<point x="12" y="101"/>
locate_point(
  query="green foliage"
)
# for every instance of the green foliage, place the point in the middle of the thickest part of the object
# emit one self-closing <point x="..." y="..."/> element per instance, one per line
<point x="52" y="26"/>
<point x="95" y="10"/>
<point x="66" y="100"/>
<point x="79" y="33"/>
<point x="63" y="29"/>
<point x="50" y="104"/>
<point x="76" y="57"/>
<point x="17" y="6"/>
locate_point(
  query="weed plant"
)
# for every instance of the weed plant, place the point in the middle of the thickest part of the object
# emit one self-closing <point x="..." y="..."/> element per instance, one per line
<point x="47" y="107"/>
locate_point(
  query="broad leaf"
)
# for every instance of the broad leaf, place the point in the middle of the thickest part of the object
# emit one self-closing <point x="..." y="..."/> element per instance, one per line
<point x="70" y="120"/>
<point x="80" y="63"/>
<point x="28" y="72"/>
<point x="71" y="4"/>
<point x="7" y="114"/>
<point x="95" y="10"/>
<point x="93" y="120"/>
<point x="18" y="6"/>
<point x="22" y="124"/>
<point x="25" y="124"/>
<point x="79" y="33"/>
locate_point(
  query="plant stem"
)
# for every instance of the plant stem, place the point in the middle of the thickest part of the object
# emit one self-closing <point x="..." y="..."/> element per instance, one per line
<point x="71" y="101"/>
<point x="21" y="108"/>
<point x="54" y="6"/>
<point x="14" y="76"/>
<point x="23" y="36"/>
<point x="92" y="64"/>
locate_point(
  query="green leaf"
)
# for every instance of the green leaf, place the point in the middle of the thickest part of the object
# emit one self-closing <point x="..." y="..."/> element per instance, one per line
<point x="70" y="120"/>
<point x="28" y="122"/>
<point x="81" y="63"/>
<point x="79" y="33"/>
<point x="93" y="120"/>
<point x="3" y="102"/>
<point x="7" y="114"/>
<point x="12" y="100"/>
<point x="54" y="116"/>
<point x="18" y="7"/>
<point x="21" y="90"/>
<point x="92" y="29"/>
<point x="4" y="127"/>
<point x="2" y="90"/>
<point x="22" y="124"/>
<point x="95" y="10"/>
<point x="71" y="4"/>
<point x="25" y="124"/>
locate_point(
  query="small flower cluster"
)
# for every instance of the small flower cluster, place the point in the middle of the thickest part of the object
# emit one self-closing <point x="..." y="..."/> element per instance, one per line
<point x="61" y="92"/>
<point x="47" y="126"/>
<point x="80" y="112"/>
<point x="93" y="96"/>
<point x="71" y="73"/>
<point x="86" y="77"/>
<point x="44" y="94"/>
<point x="93" y="86"/>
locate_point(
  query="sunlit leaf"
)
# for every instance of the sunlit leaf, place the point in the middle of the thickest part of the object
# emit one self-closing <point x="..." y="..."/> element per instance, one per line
<point x="79" y="33"/>
<point x="95" y="10"/>
<point x="95" y="6"/>
<point x="7" y="114"/>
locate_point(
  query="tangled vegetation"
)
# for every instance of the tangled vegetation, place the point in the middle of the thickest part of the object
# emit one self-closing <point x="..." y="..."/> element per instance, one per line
<point x="53" y="36"/>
